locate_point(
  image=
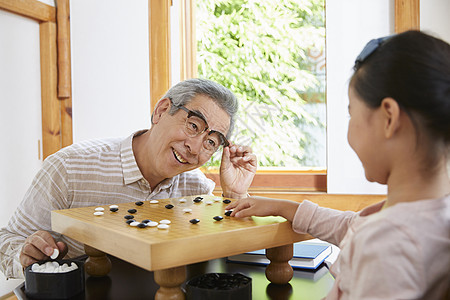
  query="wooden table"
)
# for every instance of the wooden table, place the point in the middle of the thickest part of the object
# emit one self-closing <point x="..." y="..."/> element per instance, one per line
<point x="167" y="252"/>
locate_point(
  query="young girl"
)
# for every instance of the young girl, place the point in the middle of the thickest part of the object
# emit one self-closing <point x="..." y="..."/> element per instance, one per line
<point x="400" y="129"/>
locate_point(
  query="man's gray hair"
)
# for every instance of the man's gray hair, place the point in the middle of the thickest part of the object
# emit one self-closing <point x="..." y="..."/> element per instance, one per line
<point x="183" y="92"/>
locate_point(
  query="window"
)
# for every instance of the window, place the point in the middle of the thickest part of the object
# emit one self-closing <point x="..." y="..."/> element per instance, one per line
<point x="271" y="55"/>
<point x="405" y="17"/>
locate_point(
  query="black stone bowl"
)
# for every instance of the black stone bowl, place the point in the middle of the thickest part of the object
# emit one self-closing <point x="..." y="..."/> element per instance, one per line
<point x="219" y="286"/>
<point x="55" y="285"/>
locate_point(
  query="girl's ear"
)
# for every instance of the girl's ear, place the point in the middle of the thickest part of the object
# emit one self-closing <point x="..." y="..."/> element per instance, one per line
<point x="162" y="106"/>
<point x="391" y="114"/>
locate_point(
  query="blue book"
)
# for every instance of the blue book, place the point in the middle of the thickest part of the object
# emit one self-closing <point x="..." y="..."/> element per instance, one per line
<point x="306" y="256"/>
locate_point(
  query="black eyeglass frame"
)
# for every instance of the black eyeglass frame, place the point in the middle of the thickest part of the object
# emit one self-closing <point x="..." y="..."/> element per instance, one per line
<point x="370" y="47"/>
<point x="224" y="140"/>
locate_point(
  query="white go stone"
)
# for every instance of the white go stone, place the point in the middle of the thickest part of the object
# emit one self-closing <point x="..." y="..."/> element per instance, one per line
<point x="187" y="210"/>
<point x="98" y="213"/>
<point x="163" y="226"/>
<point x="114" y="206"/>
<point x="35" y="267"/>
<point x="73" y="266"/>
<point x="99" y="209"/>
<point x="53" y="267"/>
<point x="134" y="224"/>
<point x="209" y="202"/>
<point x="154" y="201"/>
<point x="182" y="200"/>
<point x="164" y="222"/>
<point x="54" y="254"/>
<point x="217" y="199"/>
<point x="152" y="224"/>
<point x="64" y="267"/>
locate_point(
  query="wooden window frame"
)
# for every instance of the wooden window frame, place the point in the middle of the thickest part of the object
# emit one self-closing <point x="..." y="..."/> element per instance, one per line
<point x="159" y="56"/>
<point x="56" y="88"/>
<point x="407" y="15"/>
<point x="280" y="182"/>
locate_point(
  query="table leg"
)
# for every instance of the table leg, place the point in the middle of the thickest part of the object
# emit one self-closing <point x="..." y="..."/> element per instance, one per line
<point x="98" y="263"/>
<point x="279" y="271"/>
<point x="170" y="281"/>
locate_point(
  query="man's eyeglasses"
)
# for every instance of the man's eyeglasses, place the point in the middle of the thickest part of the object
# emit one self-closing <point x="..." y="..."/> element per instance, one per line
<point x="370" y="47"/>
<point x="196" y="124"/>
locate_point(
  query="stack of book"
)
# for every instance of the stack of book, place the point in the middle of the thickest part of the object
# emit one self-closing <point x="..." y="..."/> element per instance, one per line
<point x="307" y="255"/>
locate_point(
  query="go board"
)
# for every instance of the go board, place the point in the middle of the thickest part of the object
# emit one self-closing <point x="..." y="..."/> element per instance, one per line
<point x="183" y="242"/>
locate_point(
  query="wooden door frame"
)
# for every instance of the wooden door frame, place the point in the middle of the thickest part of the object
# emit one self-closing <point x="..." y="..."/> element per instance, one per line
<point x="407" y="15"/>
<point x="54" y="40"/>
<point x="159" y="49"/>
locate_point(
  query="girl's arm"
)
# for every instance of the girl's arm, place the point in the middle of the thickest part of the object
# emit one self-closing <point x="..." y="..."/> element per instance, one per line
<point x="327" y="224"/>
<point x="306" y="217"/>
<point x="261" y="206"/>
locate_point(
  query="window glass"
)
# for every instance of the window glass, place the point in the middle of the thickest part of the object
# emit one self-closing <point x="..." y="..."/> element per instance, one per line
<point x="271" y="55"/>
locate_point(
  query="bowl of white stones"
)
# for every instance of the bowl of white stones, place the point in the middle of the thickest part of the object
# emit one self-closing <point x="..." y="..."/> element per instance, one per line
<point x="54" y="279"/>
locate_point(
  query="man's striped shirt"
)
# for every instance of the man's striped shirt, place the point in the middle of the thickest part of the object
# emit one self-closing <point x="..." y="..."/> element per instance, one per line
<point x="96" y="172"/>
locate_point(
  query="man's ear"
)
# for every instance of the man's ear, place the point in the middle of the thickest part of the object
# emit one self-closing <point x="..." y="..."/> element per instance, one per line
<point x="391" y="114"/>
<point x="162" y="106"/>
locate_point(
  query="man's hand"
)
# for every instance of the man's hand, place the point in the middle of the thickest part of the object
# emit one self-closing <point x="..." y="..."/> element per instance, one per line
<point x="39" y="246"/>
<point x="237" y="169"/>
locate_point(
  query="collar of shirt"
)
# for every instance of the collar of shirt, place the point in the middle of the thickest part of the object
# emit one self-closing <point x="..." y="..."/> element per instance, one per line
<point x="130" y="169"/>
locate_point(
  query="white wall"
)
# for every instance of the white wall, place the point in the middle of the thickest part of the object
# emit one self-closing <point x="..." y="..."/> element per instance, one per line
<point x="20" y="115"/>
<point x="175" y="54"/>
<point x="349" y="26"/>
<point x="110" y="68"/>
<point x="434" y="18"/>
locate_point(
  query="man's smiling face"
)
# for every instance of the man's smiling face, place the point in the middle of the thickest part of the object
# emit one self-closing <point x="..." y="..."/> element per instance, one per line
<point x="175" y="152"/>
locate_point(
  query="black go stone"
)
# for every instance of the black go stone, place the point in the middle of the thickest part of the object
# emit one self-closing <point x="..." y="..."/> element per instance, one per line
<point x="132" y="211"/>
<point x="146" y="221"/>
<point x="218" y="218"/>
<point x="226" y="201"/>
<point x="113" y="209"/>
<point x="129" y="221"/>
<point x="129" y="217"/>
<point x="142" y="225"/>
<point x="169" y="206"/>
<point x="228" y="213"/>
<point x="139" y="203"/>
<point x="194" y="221"/>
<point x="198" y="199"/>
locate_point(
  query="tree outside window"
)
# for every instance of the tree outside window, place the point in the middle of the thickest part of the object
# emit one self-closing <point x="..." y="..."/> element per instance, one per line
<point x="271" y="55"/>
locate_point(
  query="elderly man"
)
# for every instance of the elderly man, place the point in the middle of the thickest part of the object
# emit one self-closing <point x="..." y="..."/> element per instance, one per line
<point x="191" y="122"/>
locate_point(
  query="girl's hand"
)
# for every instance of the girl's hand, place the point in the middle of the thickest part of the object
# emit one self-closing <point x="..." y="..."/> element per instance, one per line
<point x="261" y="206"/>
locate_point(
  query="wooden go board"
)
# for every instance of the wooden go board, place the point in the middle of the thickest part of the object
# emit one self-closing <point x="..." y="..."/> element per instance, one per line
<point x="183" y="242"/>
